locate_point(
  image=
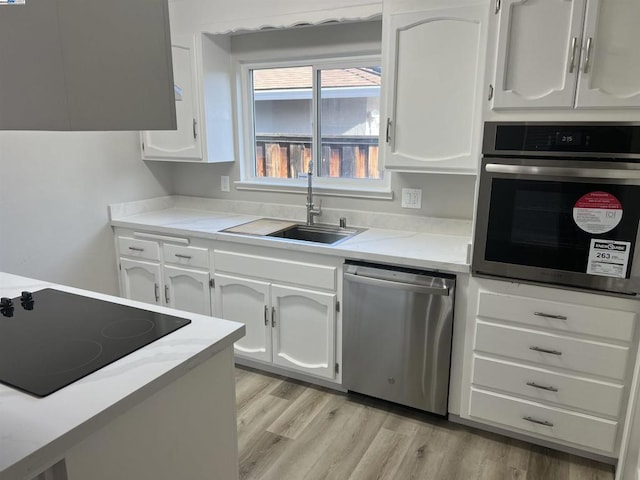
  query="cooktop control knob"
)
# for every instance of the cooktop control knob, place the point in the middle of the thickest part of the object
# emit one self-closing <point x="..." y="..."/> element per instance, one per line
<point x="6" y="302"/>
<point x="26" y="300"/>
<point x="6" y="307"/>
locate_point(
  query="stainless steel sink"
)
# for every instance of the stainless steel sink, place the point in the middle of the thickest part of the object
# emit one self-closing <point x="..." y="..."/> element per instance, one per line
<point x="326" y="234"/>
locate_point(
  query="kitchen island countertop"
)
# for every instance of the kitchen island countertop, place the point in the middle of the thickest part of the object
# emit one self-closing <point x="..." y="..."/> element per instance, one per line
<point x="36" y="433"/>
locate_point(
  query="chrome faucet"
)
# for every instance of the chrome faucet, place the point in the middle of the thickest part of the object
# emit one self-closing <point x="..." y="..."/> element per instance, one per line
<point x="311" y="210"/>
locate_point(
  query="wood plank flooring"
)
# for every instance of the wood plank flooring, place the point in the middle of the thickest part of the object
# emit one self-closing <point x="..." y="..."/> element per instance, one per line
<point x="289" y="430"/>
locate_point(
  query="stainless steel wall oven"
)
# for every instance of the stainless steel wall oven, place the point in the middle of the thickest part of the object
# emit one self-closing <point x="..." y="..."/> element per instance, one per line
<point x="560" y="203"/>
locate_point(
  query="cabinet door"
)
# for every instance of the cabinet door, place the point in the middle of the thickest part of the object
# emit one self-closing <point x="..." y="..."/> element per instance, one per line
<point x="246" y="301"/>
<point x="304" y="333"/>
<point x="538" y="53"/>
<point x="184" y="142"/>
<point x="432" y="71"/>
<point x="187" y="290"/>
<point x="140" y="280"/>
<point x="610" y="75"/>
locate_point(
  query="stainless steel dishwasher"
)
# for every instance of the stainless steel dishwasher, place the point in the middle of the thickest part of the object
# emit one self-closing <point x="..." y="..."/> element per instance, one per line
<point x="397" y="327"/>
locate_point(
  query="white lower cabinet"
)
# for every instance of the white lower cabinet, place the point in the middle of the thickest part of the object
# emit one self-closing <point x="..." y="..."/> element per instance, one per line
<point x="550" y="364"/>
<point x="164" y="273"/>
<point x="246" y="301"/>
<point x="140" y="280"/>
<point x="187" y="289"/>
<point x="288" y="326"/>
<point x="560" y="424"/>
<point x="303" y="330"/>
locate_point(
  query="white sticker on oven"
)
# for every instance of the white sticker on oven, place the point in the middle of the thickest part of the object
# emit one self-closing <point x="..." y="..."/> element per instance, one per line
<point x="608" y="258"/>
<point x="597" y="212"/>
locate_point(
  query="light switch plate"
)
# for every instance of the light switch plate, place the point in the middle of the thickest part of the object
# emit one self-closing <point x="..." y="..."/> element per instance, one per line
<point x="411" y="198"/>
<point x="224" y="183"/>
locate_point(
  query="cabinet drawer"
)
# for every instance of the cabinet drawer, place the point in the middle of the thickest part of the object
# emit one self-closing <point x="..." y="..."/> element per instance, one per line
<point x="187" y="256"/>
<point x="577" y="428"/>
<point x="574" y="392"/>
<point x="591" y="357"/>
<point x="132" y="247"/>
<point x="298" y="273"/>
<point x="572" y="318"/>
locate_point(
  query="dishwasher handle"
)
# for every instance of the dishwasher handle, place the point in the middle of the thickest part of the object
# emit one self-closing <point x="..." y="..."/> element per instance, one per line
<point x="412" y="287"/>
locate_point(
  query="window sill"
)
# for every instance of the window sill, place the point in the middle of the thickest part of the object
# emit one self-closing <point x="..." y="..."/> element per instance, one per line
<point x="380" y="193"/>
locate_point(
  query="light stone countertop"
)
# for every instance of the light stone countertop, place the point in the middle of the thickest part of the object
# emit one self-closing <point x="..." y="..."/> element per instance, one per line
<point x="436" y="244"/>
<point x="36" y="432"/>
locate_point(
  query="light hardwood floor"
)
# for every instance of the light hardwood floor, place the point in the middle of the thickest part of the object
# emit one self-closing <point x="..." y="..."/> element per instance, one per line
<point x="290" y="430"/>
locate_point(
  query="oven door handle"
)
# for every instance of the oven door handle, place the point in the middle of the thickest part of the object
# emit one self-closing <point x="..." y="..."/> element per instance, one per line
<point x="564" y="171"/>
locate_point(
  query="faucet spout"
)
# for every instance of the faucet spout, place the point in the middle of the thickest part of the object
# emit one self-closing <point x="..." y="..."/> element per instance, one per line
<point x="311" y="210"/>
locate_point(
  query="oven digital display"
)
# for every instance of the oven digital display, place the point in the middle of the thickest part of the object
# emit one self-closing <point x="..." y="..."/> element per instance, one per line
<point x="570" y="138"/>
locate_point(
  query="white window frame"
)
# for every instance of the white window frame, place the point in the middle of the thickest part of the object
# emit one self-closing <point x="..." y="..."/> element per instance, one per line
<point x="367" y="188"/>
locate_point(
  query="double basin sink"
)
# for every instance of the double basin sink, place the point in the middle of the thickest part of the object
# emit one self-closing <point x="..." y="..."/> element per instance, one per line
<point x="323" y="234"/>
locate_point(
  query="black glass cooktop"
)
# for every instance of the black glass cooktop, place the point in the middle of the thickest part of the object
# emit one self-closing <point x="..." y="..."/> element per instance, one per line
<point x="50" y="338"/>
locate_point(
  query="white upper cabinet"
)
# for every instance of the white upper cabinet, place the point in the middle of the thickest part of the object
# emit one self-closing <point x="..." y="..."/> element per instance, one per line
<point x="551" y="55"/>
<point x="538" y="53"/>
<point x="183" y="143"/>
<point x="433" y="63"/>
<point x="610" y="75"/>
<point x="204" y="113"/>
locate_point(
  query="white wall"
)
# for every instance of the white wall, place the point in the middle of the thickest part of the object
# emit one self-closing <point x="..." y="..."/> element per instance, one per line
<point x="54" y="192"/>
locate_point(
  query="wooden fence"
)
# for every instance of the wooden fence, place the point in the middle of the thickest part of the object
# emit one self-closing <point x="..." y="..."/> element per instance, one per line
<point x="342" y="157"/>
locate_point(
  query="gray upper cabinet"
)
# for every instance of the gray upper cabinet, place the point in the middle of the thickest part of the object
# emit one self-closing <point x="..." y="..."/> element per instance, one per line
<point x="86" y="65"/>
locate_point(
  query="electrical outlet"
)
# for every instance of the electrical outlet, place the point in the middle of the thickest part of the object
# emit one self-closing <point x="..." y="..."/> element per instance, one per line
<point x="411" y="198"/>
<point x="224" y="183"/>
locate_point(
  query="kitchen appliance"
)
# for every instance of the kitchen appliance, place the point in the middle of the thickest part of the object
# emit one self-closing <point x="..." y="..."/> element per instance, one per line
<point x="397" y="325"/>
<point x="559" y="203"/>
<point x="50" y="338"/>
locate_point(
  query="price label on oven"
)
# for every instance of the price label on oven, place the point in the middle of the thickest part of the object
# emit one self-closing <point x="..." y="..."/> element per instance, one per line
<point x="597" y="212"/>
<point x="608" y="258"/>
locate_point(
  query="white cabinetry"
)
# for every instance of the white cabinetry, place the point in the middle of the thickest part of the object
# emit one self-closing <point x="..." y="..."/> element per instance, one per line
<point x="567" y="53"/>
<point x="163" y="272"/>
<point x="289" y="309"/>
<point x="550" y="364"/>
<point x="184" y="142"/>
<point x="246" y="301"/>
<point x="433" y="65"/>
<point x="202" y="78"/>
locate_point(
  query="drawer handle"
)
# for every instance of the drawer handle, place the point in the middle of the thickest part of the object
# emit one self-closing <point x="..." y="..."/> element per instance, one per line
<point x="549" y="315"/>
<point x="539" y="422"/>
<point x="543" y="387"/>
<point x="544" y="350"/>
<point x="136" y="249"/>
<point x="179" y="255"/>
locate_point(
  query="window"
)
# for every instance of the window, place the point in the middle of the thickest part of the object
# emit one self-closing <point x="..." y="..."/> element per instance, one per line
<point x="323" y="112"/>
